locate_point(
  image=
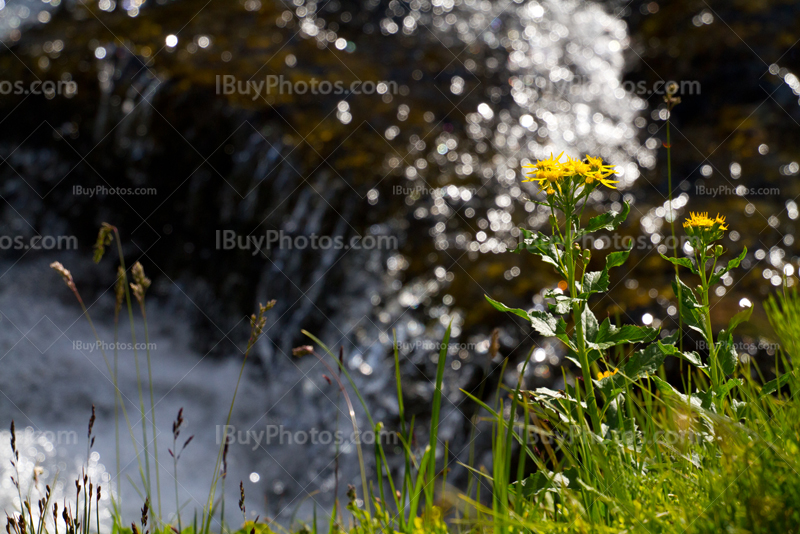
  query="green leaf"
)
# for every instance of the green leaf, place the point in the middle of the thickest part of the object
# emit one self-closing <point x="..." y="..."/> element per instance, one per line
<point x="727" y="355"/>
<point x="689" y="307"/>
<point x="618" y="421"/>
<point x="774" y="385"/>
<point x="545" y="481"/>
<point x="615" y="259"/>
<point x="597" y="281"/>
<point x="732" y="264"/>
<point x="682" y="262"/>
<point x="607" y="221"/>
<point x="739" y="318"/>
<point x="544" y="247"/>
<point x="641" y="364"/>
<point x="644" y="362"/>
<point x="557" y="406"/>
<point x="691" y="357"/>
<point x="728" y="386"/>
<point x="544" y="323"/>
<point x="609" y="335"/>
<point x="503" y="308"/>
<point x="563" y="303"/>
<point x="589" y="323"/>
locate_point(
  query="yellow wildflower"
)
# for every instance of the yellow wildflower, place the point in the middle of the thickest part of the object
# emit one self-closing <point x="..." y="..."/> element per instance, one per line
<point x="546" y="171"/>
<point x="576" y="167"/>
<point x="599" y="172"/>
<point x="705" y="229"/>
<point x="606" y="374"/>
<point x="596" y="166"/>
<point x="702" y="220"/>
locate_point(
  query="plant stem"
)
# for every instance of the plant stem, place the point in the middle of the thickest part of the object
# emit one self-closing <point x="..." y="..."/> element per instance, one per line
<point x="577" y="311"/>
<point x="138" y="374"/>
<point x="152" y="405"/>
<point x="672" y="225"/>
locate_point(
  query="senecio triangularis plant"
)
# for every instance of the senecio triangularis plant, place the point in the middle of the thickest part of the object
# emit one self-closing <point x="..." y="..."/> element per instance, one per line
<point x="567" y="186"/>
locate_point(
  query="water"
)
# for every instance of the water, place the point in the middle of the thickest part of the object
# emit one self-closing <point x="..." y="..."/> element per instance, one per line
<point x="524" y="80"/>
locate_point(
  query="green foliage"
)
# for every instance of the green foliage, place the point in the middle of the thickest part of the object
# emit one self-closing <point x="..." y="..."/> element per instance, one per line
<point x="625" y="452"/>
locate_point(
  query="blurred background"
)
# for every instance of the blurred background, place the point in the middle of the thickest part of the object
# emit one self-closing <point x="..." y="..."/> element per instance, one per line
<point x="359" y="161"/>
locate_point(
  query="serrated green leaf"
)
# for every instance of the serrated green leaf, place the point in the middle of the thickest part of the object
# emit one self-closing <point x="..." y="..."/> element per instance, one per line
<point x="503" y="308"/>
<point x="689" y="307"/>
<point x="774" y="385"/>
<point x="598" y="281"/>
<point x="563" y="303"/>
<point x="732" y="264"/>
<point x="544" y="247"/>
<point x="682" y="262"/>
<point x="728" y="386"/>
<point x="641" y="364"/>
<point x="607" y="221"/>
<point x="609" y="335"/>
<point x="739" y="318"/>
<point x="589" y="323"/>
<point x="727" y="355"/>
<point x="691" y="357"/>
<point x="615" y="259"/>
<point x="544" y="323"/>
<point x="595" y="282"/>
<point x="556" y="404"/>
<point x="644" y="362"/>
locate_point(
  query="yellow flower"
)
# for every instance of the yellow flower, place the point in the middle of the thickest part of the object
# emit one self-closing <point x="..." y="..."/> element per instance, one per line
<point x="606" y="374"/>
<point x="546" y="171"/>
<point x="596" y="166"/>
<point x="597" y="176"/>
<point x="598" y="171"/>
<point x="552" y="173"/>
<point x="704" y="228"/>
<point x="576" y="167"/>
<point x="702" y="220"/>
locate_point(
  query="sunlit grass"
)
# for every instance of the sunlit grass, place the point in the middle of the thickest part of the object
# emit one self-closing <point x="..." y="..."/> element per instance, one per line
<point x="620" y="449"/>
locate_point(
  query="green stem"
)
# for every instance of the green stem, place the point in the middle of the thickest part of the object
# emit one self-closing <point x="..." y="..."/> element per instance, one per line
<point x="152" y="405"/>
<point x="577" y="311"/>
<point x="712" y="350"/>
<point x="175" y="468"/>
<point x="206" y="522"/>
<point x="117" y="401"/>
<point x="672" y="226"/>
<point x="138" y="374"/>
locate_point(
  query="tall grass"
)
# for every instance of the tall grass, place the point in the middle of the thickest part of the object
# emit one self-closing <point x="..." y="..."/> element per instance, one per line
<point x="628" y="451"/>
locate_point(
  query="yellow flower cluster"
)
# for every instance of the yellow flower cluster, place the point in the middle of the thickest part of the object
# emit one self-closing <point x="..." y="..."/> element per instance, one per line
<point x="552" y="174"/>
<point x="606" y="374"/>
<point x="705" y="229"/>
<point x="702" y="220"/>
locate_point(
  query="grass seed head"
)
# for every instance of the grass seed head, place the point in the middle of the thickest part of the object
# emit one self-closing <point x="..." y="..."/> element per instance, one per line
<point x="104" y="238"/>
